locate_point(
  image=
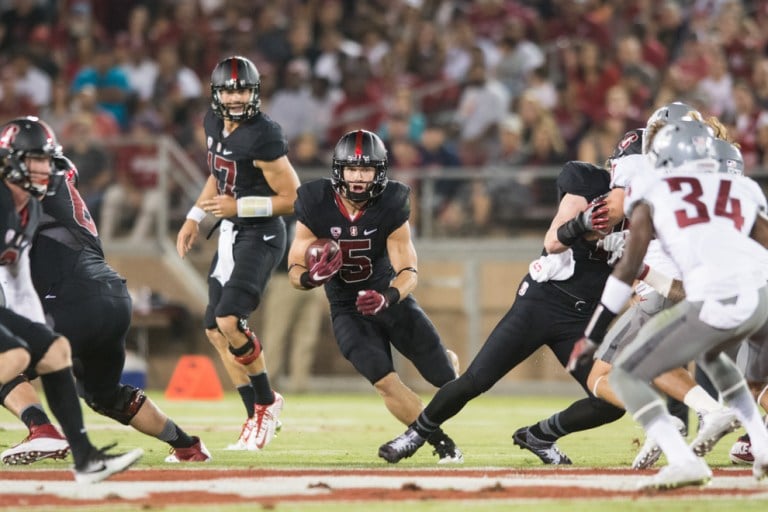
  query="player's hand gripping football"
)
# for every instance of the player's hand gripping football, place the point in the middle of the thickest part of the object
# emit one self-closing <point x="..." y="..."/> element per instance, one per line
<point x="582" y="353"/>
<point x="322" y="269"/>
<point x="371" y="302"/>
<point x="595" y="216"/>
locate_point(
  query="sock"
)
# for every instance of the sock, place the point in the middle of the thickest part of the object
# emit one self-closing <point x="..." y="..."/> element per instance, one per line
<point x="424" y="427"/>
<point x="438" y="437"/>
<point x="700" y="401"/>
<point x="545" y="430"/>
<point x="59" y="387"/>
<point x="264" y="393"/>
<point x="248" y="397"/>
<point x="663" y="431"/>
<point x="175" y="436"/>
<point x="34" y="415"/>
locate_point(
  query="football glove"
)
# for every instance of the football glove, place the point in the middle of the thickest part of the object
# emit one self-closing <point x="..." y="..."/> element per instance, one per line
<point x="582" y="353"/>
<point x="371" y="302"/>
<point x="614" y="243"/>
<point x="323" y="269"/>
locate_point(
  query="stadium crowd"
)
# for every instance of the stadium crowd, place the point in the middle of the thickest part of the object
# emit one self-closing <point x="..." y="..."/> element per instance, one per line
<point x="507" y="84"/>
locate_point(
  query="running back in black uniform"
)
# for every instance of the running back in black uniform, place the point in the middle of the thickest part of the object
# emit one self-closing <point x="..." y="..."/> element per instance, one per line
<point x="544" y="313"/>
<point x="372" y="309"/>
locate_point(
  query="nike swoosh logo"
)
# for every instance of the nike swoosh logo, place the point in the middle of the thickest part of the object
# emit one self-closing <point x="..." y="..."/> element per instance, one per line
<point x="370" y="231"/>
<point x="226" y="152"/>
<point x="49" y="296"/>
<point x="318" y="277"/>
<point x="267" y="238"/>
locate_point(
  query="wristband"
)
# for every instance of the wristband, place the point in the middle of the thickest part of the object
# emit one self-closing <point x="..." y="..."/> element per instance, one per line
<point x="254" y="206"/>
<point x="392" y="295"/>
<point x="598" y="325"/>
<point x="196" y="214"/>
<point x="658" y="281"/>
<point x="568" y="233"/>
<point x="615" y="294"/>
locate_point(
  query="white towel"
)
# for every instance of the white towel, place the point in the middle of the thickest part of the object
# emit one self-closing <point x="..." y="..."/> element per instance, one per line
<point x="226" y="261"/>
<point x="18" y="291"/>
<point x="553" y="267"/>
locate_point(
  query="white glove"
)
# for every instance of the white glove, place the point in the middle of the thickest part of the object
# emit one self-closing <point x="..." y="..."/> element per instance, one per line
<point x="614" y="244"/>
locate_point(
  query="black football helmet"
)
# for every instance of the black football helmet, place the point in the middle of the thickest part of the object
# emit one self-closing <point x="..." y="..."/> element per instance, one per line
<point x="23" y="137"/>
<point x="631" y="143"/>
<point x="359" y="148"/>
<point x="232" y="73"/>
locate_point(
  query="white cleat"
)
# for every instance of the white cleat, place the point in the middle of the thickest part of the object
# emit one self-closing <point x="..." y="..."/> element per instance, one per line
<point x="265" y="424"/>
<point x="651" y="451"/>
<point x="101" y="466"/>
<point x="674" y="476"/>
<point x="714" y="426"/>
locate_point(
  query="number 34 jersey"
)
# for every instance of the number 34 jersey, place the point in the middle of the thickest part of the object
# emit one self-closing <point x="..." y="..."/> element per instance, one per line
<point x="362" y="239"/>
<point x="703" y="221"/>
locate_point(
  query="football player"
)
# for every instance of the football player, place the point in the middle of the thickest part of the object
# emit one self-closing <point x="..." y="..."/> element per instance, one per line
<point x="704" y="219"/>
<point x="369" y="284"/>
<point x="553" y="305"/>
<point x="658" y="289"/>
<point x="26" y="342"/>
<point x="252" y="183"/>
<point x="88" y="302"/>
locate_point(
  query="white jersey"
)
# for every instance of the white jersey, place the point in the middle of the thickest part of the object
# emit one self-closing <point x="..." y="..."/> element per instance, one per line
<point x="702" y="221"/>
<point x="18" y="291"/>
<point x="623" y="171"/>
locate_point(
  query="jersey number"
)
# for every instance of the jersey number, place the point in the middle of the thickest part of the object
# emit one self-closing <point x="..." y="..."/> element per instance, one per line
<point x="228" y="169"/>
<point x="725" y="206"/>
<point x="356" y="267"/>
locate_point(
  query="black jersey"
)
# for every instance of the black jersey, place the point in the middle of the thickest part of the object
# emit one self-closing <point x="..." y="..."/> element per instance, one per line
<point x="363" y="240"/>
<point x="17" y="228"/>
<point x="589" y="181"/>
<point x="231" y="158"/>
<point x="67" y="244"/>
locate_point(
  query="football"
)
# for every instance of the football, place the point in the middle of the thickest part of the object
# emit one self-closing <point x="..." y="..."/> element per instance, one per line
<point x="315" y="249"/>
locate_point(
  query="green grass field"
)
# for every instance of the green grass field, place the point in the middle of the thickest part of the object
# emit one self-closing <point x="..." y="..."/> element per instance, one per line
<point x="344" y="431"/>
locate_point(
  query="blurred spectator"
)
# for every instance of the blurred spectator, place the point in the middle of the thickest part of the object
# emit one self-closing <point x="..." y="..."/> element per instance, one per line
<point x="747" y="113"/>
<point x="403" y="107"/>
<point x="291" y="105"/>
<point x="12" y="103"/>
<point x="39" y="51"/>
<point x="135" y="198"/>
<point x="482" y="106"/>
<point x="597" y="145"/>
<point x="113" y="91"/>
<point x="58" y="113"/>
<point x="629" y="55"/>
<point x="91" y="159"/>
<point x="176" y="88"/>
<point x="30" y="80"/>
<point x="511" y="148"/>
<point x="542" y="88"/>
<point x="593" y="74"/>
<point x="760" y="82"/>
<point x="104" y="122"/>
<point x="717" y="86"/>
<point x="323" y="101"/>
<point x="519" y="57"/>
<point x="131" y="55"/>
<point x="762" y="141"/>
<point x="306" y="154"/>
<point x="361" y="105"/>
<point x="546" y="147"/>
<point x="18" y="23"/>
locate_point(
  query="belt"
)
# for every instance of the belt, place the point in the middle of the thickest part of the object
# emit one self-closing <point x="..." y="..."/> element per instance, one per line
<point x="577" y="303"/>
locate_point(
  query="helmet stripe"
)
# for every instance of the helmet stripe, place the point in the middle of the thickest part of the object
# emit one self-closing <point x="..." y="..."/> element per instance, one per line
<point x="359" y="144"/>
<point x="233" y="71"/>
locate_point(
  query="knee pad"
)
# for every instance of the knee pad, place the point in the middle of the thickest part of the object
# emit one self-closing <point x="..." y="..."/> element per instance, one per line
<point x="249" y="352"/>
<point x="121" y="407"/>
<point x="9" y="386"/>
